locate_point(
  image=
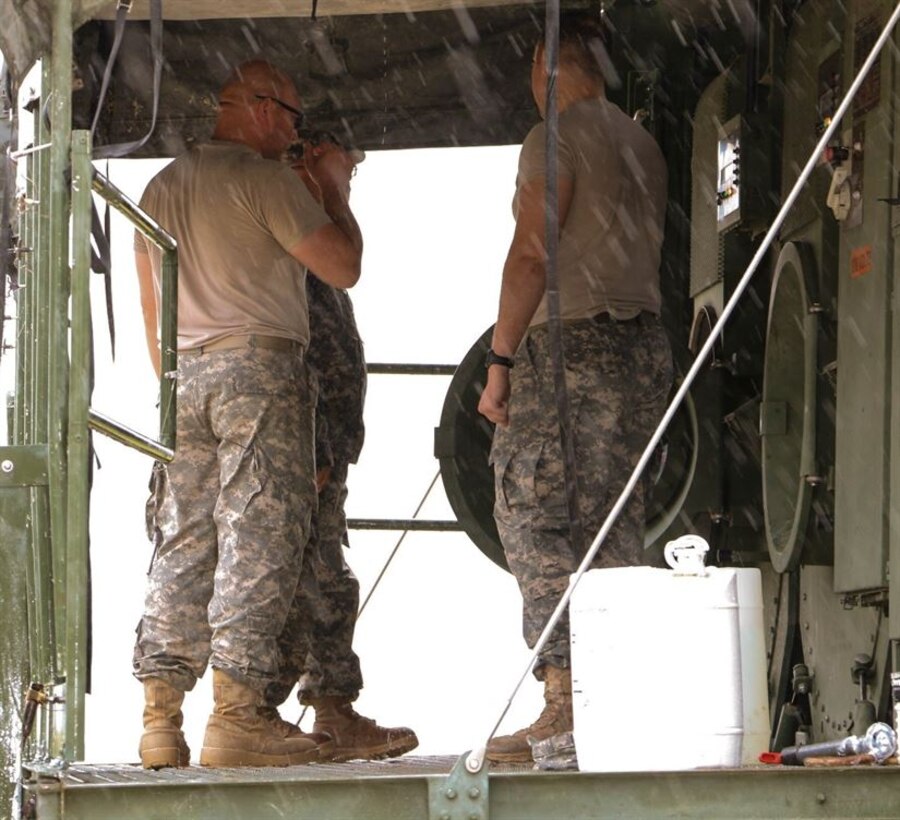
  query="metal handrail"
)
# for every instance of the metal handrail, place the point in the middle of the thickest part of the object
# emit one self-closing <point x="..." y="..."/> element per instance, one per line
<point x="164" y="448"/>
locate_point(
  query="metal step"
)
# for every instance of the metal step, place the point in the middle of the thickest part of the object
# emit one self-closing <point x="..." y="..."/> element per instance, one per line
<point x="407" y="788"/>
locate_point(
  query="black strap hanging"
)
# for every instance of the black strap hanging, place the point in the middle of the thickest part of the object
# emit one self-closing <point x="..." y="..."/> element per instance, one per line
<point x="107" y="275"/>
<point x="102" y="258"/>
<point x="554" y="325"/>
<point x="118" y="32"/>
<point x="122" y="149"/>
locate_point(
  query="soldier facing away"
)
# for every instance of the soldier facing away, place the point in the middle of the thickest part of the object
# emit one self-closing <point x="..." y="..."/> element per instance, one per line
<point x="618" y="368"/>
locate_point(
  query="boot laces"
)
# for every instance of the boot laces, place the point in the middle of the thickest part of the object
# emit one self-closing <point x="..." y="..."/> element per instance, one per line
<point x="347" y="711"/>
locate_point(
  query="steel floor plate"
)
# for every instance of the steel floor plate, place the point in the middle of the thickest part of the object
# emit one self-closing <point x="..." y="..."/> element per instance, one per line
<point x="415" y="788"/>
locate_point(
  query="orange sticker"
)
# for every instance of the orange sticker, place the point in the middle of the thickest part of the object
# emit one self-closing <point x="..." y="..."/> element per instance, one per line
<point x="860" y="261"/>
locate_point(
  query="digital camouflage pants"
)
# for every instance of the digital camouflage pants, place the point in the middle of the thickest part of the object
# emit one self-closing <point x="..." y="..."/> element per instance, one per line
<point x="229" y="518"/>
<point x="317" y="642"/>
<point x="618" y="376"/>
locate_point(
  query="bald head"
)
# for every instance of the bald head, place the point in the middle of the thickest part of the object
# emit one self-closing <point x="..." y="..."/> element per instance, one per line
<point x="254" y="108"/>
<point x="253" y="78"/>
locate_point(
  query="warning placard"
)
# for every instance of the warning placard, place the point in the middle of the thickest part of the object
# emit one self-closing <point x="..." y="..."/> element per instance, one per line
<point x="860" y="261"/>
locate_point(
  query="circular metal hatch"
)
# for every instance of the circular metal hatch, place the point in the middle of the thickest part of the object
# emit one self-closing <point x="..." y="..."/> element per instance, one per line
<point x="462" y="444"/>
<point x="787" y="416"/>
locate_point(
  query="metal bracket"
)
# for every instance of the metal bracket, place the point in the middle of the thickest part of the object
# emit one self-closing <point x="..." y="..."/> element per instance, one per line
<point x="463" y="795"/>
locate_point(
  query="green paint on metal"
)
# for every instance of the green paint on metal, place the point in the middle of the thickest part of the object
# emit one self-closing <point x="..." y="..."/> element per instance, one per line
<point x="392" y="369"/>
<point x="168" y="347"/>
<point x="78" y="490"/>
<point x="463" y="795"/>
<point x="23" y="466"/>
<point x="56" y="190"/>
<point x="390" y="792"/>
<point x="409" y="524"/>
<point x="32" y="410"/>
<point x="14" y="659"/>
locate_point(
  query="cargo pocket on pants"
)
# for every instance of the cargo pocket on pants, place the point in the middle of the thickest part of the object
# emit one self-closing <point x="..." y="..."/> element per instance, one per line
<point x="157" y="487"/>
<point x="514" y="484"/>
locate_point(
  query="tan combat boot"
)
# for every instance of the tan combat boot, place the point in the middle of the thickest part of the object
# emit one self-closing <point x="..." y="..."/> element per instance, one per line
<point x="287" y="729"/>
<point x="554" y="720"/>
<point x="357" y="737"/>
<point x="163" y="744"/>
<point x="238" y="735"/>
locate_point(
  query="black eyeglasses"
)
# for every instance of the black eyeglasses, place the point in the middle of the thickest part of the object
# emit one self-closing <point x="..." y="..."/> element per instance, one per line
<point x="300" y="118"/>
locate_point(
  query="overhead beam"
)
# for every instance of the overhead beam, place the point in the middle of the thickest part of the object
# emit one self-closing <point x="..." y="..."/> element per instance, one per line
<point x="237" y="9"/>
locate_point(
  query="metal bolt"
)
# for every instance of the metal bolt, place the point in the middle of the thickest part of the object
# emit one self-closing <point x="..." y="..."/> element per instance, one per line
<point x="451" y="794"/>
<point x="445" y="815"/>
<point x="820" y="797"/>
<point x="474" y="792"/>
<point x="7" y="466"/>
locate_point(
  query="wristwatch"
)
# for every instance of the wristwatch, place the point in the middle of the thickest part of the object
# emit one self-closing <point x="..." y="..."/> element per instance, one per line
<point x="496" y="358"/>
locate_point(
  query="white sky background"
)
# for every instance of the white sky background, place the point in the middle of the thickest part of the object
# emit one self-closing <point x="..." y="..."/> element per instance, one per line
<point x="440" y="641"/>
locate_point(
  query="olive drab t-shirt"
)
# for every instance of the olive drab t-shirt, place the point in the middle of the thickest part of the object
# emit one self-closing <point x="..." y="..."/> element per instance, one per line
<point x="609" y="246"/>
<point x="235" y="215"/>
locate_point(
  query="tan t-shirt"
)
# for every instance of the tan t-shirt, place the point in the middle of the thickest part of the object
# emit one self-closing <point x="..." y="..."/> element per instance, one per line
<point x="609" y="247"/>
<point x="235" y="215"/>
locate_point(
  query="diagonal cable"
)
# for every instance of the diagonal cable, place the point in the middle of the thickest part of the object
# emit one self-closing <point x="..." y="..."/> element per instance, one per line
<point x="397" y="545"/>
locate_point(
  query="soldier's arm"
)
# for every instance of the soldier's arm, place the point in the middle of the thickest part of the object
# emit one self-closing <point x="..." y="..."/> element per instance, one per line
<point x="523" y="285"/>
<point x="149" y="308"/>
<point x="333" y="251"/>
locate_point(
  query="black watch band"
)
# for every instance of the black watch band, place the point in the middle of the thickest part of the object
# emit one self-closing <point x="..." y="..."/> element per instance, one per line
<point x="496" y="358"/>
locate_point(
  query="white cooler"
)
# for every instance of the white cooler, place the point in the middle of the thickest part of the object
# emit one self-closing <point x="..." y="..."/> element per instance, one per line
<point x="669" y="666"/>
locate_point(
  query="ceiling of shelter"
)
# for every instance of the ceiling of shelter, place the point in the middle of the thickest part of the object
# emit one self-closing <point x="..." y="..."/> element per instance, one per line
<point x="430" y="73"/>
<point x="398" y="81"/>
<point x="697" y="10"/>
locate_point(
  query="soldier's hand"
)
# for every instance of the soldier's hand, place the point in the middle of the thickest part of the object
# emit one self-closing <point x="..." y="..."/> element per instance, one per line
<point x="306" y="178"/>
<point x="494" y="402"/>
<point x="330" y="166"/>
<point x="322" y="477"/>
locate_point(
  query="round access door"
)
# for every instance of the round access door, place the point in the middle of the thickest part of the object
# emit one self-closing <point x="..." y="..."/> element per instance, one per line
<point x="787" y="420"/>
<point x="462" y="444"/>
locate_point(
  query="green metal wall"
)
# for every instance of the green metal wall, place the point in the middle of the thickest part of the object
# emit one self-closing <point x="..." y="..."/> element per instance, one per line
<point x="865" y="324"/>
<point x="14" y="664"/>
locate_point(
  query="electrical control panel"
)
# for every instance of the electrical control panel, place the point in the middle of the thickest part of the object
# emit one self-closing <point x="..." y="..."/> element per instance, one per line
<point x="728" y="176"/>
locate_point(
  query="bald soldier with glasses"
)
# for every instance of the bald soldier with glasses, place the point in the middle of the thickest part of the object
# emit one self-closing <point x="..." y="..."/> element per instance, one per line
<point x="230" y="515"/>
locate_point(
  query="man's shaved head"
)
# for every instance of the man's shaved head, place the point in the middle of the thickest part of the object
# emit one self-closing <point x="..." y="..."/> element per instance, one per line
<point x="258" y="107"/>
<point x="257" y="77"/>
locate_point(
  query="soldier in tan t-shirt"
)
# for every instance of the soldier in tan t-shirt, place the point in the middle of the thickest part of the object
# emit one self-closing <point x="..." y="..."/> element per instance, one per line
<point x="618" y="370"/>
<point x="230" y="515"/>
